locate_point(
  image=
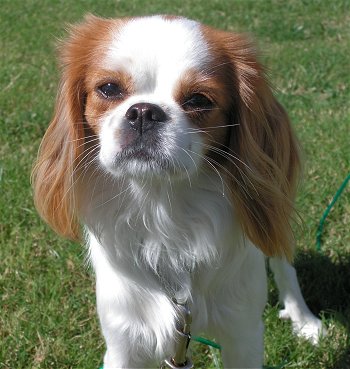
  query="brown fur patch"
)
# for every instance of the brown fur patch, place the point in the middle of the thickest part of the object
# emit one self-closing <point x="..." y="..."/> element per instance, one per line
<point x="212" y="123"/>
<point x="62" y="148"/>
<point x="264" y="155"/>
<point x="97" y="105"/>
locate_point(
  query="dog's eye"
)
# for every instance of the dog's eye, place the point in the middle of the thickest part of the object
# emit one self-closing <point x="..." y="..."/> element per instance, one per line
<point x="197" y="102"/>
<point x="110" y="91"/>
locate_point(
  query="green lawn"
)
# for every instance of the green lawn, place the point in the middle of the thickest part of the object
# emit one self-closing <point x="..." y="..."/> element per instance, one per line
<point x="47" y="303"/>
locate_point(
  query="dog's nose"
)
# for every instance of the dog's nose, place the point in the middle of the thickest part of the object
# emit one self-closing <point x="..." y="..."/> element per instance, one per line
<point x="142" y="116"/>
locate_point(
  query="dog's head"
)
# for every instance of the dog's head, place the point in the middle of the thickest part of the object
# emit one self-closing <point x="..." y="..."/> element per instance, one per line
<point x="167" y="97"/>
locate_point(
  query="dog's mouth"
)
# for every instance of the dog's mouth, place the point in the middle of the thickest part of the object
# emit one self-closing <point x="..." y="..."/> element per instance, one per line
<point x="143" y="159"/>
<point x="141" y="154"/>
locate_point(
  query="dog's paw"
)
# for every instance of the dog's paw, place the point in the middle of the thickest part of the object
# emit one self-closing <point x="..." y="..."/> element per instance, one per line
<point x="305" y="324"/>
<point x="310" y="328"/>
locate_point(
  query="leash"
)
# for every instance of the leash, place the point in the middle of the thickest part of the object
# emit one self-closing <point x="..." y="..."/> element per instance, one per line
<point x="328" y="209"/>
<point x="182" y="339"/>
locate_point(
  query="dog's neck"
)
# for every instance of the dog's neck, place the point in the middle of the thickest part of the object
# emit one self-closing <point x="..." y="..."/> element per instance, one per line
<point x="160" y="230"/>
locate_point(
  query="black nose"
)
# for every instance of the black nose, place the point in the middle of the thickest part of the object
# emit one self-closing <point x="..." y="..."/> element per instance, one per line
<point x="142" y="116"/>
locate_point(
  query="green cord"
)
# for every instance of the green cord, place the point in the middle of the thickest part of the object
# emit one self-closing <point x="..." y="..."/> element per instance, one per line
<point x="207" y="342"/>
<point x="325" y="214"/>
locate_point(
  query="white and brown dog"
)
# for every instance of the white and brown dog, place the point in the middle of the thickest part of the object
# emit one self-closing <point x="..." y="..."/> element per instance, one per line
<point x="169" y="148"/>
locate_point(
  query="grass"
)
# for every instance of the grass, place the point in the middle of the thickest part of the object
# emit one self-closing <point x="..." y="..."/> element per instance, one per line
<point x="47" y="303"/>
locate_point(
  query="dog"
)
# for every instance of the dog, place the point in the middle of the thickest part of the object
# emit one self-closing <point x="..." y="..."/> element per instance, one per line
<point x="170" y="156"/>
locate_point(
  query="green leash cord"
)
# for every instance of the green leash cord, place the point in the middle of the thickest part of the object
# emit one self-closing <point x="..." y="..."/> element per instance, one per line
<point x="215" y="345"/>
<point x="325" y="214"/>
<point x="207" y="342"/>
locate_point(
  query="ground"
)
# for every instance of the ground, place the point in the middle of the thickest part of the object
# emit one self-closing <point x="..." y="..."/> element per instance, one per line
<point x="47" y="303"/>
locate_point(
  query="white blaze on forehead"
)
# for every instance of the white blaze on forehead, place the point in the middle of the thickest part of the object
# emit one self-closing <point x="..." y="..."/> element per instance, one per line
<point x="156" y="52"/>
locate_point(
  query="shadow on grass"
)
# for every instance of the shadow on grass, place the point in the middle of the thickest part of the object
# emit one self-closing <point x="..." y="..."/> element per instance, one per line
<point x="343" y="362"/>
<point x="325" y="284"/>
<point x="326" y="287"/>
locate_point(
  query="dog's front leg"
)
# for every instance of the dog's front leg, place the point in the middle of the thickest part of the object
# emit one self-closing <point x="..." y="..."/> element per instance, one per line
<point x="124" y="348"/>
<point x="304" y="322"/>
<point x="242" y="344"/>
<point x="137" y="326"/>
<point x="130" y="342"/>
<point x="236" y="319"/>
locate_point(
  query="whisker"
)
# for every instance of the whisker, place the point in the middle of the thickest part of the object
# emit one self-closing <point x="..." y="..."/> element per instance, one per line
<point x="171" y="192"/>
<point x="87" y="152"/>
<point x="83" y="138"/>
<point x="87" y="142"/>
<point x="212" y="127"/>
<point x="228" y="156"/>
<point x="184" y="166"/>
<point x="231" y="176"/>
<point x="116" y="196"/>
<point x="230" y="152"/>
<point x="76" y="179"/>
<point x="213" y="166"/>
<point x="85" y="165"/>
<point x="121" y="203"/>
<point x="142" y="203"/>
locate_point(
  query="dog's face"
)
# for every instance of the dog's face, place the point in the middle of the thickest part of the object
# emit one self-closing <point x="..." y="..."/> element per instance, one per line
<point x="168" y="97"/>
<point x="157" y="98"/>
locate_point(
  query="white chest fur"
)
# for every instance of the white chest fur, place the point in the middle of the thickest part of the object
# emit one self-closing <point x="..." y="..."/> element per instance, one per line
<point x="158" y="231"/>
<point x="149" y="242"/>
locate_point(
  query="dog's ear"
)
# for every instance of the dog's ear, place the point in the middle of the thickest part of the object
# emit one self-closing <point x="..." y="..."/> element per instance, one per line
<point x="54" y="172"/>
<point x="62" y="148"/>
<point x="267" y="170"/>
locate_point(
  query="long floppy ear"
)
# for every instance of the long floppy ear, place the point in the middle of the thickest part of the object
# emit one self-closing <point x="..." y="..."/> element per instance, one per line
<point x="54" y="175"/>
<point x="268" y="167"/>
